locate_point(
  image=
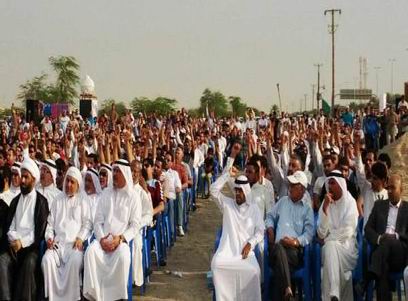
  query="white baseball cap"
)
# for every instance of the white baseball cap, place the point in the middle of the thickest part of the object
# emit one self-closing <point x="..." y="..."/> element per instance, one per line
<point x="298" y="177"/>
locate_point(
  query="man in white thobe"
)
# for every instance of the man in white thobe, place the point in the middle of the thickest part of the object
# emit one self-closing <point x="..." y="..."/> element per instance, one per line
<point x="338" y="218"/>
<point x="48" y="177"/>
<point x="93" y="190"/>
<point x="69" y="224"/>
<point x="117" y="220"/>
<point x="146" y="220"/>
<point x="236" y="271"/>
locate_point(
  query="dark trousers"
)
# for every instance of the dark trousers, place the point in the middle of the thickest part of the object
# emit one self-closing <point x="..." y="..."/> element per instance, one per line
<point x="21" y="277"/>
<point x="388" y="257"/>
<point x="283" y="260"/>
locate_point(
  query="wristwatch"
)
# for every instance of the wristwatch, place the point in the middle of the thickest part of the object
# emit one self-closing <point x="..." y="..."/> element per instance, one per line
<point x="121" y="238"/>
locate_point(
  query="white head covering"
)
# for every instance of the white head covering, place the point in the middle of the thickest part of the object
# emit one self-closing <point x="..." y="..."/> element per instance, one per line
<point x="95" y="179"/>
<point x="16" y="167"/>
<point x="124" y="167"/>
<point x="343" y="212"/>
<point x="52" y="167"/>
<point x="32" y="168"/>
<point x="242" y="183"/>
<point x="108" y="169"/>
<point x="76" y="174"/>
<point x="338" y="176"/>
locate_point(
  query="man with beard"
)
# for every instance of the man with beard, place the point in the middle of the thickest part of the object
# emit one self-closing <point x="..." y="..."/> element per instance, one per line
<point x="27" y="219"/>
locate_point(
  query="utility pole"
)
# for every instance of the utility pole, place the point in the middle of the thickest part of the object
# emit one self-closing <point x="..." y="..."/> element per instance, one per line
<point x="305" y="102"/>
<point x="280" y="101"/>
<point x="318" y="95"/>
<point x="332" y="30"/>
<point x="376" y="80"/>
<point x="313" y="94"/>
<point x="392" y="74"/>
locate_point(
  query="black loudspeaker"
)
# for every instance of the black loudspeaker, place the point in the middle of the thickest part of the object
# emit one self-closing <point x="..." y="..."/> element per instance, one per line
<point x="406" y="91"/>
<point x="33" y="110"/>
<point x="85" y="108"/>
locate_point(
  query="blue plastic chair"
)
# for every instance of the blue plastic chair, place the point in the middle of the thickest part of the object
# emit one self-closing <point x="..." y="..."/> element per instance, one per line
<point x="130" y="279"/>
<point x="302" y="276"/>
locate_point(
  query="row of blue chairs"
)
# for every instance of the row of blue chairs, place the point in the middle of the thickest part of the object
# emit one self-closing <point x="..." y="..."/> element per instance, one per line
<point x="308" y="277"/>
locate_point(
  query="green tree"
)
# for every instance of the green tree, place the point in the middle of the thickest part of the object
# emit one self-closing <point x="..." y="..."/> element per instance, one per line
<point x="238" y="107"/>
<point x="215" y="101"/>
<point x="36" y="89"/>
<point x="107" y="104"/>
<point x="160" y="105"/>
<point x="65" y="87"/>
<point x="275" y="108"/>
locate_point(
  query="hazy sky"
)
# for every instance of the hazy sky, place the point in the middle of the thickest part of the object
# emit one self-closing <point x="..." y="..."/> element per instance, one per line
<point x="177" y="48"/>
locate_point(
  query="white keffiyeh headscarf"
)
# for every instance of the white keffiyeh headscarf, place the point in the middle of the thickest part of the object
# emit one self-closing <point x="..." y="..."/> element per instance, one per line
<point x="124" y="167"/>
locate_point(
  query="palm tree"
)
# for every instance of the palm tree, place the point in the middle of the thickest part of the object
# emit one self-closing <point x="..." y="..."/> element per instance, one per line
<point x="66" y="68"/>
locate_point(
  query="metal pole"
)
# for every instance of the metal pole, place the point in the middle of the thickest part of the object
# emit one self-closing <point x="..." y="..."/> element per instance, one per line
<point x="376" y="79"/>
<point x="392" y="75"/>
<point x="280" y="101"/>
<point x="332" y="30"/>
<point x="313" y="94"/>
<point x="318" y="86"/>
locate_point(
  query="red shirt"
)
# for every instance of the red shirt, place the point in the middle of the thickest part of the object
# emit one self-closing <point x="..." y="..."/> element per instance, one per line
<point x="181" y="172"/>
<point x="156" y="192"/>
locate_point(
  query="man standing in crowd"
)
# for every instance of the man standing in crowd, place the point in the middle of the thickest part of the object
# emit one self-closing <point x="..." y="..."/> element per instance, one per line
<point x="27" y="219"/>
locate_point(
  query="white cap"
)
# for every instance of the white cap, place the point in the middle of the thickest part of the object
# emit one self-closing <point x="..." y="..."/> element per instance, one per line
<point x="298" y="177"/>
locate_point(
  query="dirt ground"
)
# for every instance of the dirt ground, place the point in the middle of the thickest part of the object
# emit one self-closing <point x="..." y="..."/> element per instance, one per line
<point x="191" y="255"/>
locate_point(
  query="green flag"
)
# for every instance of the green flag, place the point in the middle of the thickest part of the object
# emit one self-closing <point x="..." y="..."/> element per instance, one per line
<point x="326" y="108"/>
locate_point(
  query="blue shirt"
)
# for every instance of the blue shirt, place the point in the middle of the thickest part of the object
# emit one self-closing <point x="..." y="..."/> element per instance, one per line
<point x="291" y="219"/>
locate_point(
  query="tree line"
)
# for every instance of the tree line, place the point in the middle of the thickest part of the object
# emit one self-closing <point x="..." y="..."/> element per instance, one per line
<point x="64" y="89"/>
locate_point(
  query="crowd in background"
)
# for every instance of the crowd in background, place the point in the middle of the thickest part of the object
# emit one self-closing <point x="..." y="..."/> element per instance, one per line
<point x="176" y="158"/>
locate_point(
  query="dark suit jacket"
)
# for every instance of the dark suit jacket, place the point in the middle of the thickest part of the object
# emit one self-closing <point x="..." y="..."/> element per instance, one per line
<point x="377" y="222"/>
<point x="41" y="212"/>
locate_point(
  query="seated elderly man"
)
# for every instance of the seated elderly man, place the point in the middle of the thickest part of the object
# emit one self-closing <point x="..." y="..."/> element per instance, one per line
<point x="117" y="219"/>
<point x="69" y="224"/>
<point x="338" y="218"/>
<point x="235" y="269"/>
<point x="292" y="219"/>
